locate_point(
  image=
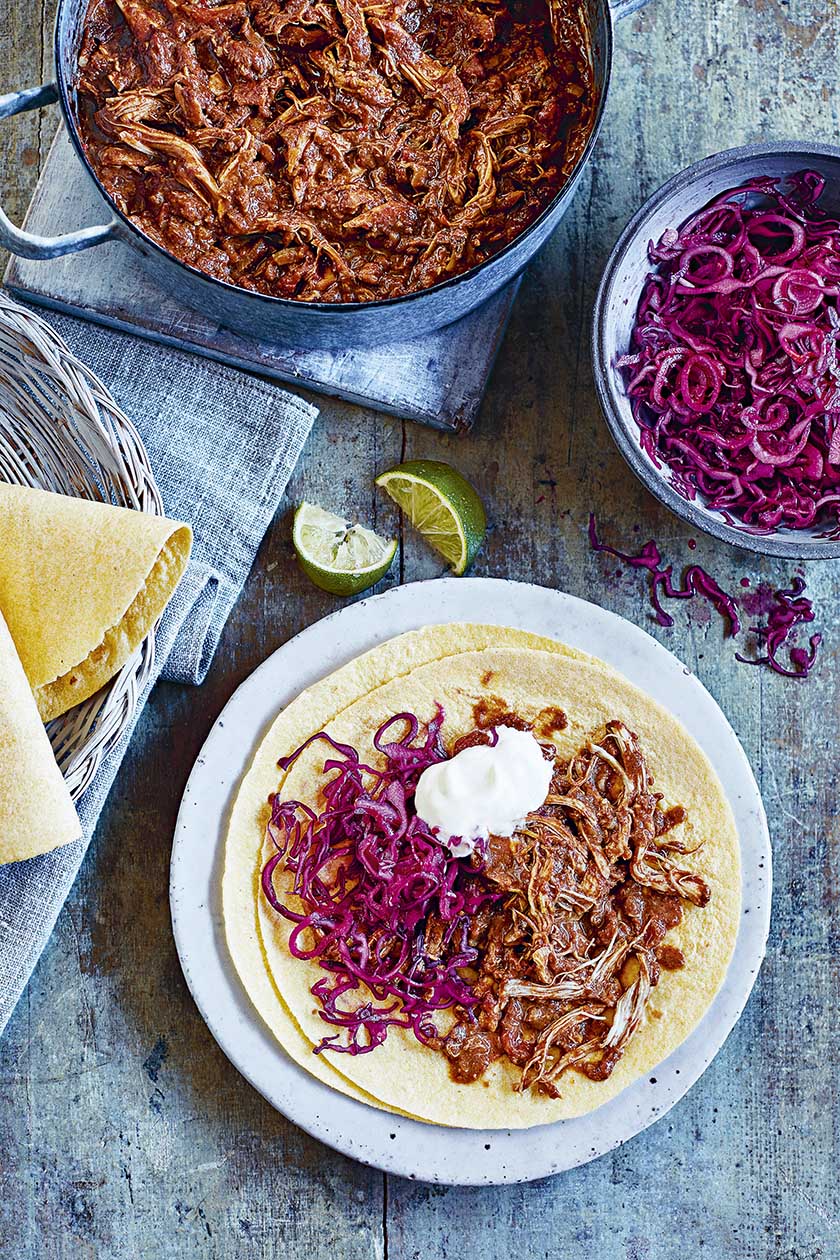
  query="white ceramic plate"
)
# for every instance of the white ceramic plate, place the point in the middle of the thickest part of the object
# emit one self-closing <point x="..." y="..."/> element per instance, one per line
<point x="408" y="1147"/>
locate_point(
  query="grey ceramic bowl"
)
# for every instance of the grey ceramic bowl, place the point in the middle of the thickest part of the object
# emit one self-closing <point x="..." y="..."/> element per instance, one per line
<point x="615" y="310"/>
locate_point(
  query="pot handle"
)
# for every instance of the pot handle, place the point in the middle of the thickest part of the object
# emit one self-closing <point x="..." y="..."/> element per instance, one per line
<point x="623" y="8"/>
<point x="27" y="244"/>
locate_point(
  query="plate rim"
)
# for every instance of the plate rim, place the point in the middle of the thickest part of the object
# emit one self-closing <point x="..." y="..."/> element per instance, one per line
<point x="390" y="1142"/>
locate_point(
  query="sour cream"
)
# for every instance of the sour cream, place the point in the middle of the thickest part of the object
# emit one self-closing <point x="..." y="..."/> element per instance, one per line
<point x="483" y="791"/>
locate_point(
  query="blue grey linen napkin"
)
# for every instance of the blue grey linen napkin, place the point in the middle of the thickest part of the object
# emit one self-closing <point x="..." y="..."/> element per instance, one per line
<point x="222" y="445"/>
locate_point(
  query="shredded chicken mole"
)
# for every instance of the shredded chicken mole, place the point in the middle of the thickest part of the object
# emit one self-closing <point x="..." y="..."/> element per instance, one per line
<point x="568" y="958"/>
<point x="334" y="150"/>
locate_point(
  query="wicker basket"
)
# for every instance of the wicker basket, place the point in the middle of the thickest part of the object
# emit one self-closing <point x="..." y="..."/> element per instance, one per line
<point x="60" y="430"/>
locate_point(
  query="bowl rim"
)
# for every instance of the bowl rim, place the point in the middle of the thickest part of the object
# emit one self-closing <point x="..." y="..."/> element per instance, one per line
<point x="787" y="545"/>
<point x="129" y="229"/>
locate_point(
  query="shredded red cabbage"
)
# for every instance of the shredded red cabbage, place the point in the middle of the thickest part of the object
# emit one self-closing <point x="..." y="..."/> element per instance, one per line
<point x="696" y="581"/>
<point x="790" y="609"/>
<point x="786" y="609"/>
<point x="733" y="367"/>
<point x="369" y="873"/>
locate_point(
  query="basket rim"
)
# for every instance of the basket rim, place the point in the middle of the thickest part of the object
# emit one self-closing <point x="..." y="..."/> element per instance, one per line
<point x="50" y="398"/>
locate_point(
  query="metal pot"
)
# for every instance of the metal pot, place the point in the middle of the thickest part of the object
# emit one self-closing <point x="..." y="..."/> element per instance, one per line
<point x="318" y="325"/>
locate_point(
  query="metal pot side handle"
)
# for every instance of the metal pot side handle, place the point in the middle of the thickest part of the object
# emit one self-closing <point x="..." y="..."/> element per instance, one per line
<point x="623" y="8"/>
<point x="26" y="244"/>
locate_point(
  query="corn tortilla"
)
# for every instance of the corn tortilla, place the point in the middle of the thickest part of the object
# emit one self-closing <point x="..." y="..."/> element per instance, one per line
<point x="404" y="1074"/>
<point x="36" y="812"/>
<point x="312" y="710"/>
<point x="81" y="585"/>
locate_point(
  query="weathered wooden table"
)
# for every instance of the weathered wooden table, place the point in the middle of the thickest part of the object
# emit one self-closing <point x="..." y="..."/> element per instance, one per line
<point x="124" y="1132"/>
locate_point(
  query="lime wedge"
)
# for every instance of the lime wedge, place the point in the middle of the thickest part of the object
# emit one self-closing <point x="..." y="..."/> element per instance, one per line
<point x="442" y="505"/>
<point x="338" y="556"/>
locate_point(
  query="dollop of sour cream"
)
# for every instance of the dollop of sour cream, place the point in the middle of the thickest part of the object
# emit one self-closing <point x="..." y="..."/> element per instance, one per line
<point x="484" y="790"/>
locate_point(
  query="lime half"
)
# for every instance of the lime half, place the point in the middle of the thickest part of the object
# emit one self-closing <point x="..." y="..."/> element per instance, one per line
<point x="338" y="556"/>
<point x="442" y="505"/>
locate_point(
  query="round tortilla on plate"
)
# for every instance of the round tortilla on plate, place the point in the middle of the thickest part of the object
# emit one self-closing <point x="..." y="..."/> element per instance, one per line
<point x="311" y="711"/>
<point x="402" y="1074"/>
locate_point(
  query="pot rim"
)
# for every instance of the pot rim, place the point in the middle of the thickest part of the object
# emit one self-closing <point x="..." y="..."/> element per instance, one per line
<point x="786" y="545"/>
<point x="131" y="229"/>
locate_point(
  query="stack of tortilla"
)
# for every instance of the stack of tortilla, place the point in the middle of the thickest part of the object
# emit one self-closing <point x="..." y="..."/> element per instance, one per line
<point x="459" y="667"/>
<point x="81" y="585"/>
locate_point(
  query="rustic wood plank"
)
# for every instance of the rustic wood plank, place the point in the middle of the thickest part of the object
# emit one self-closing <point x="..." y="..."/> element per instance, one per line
<point x="22" y="34"/>
<point x="99" y="1158"/>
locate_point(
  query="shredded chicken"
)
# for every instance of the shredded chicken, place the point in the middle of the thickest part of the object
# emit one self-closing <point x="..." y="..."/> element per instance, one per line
<point x="334" y="150"/>
<point x="568" y="959"/>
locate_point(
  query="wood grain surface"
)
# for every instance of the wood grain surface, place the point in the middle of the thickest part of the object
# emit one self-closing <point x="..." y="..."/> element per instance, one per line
<point x="123" y="1130"/>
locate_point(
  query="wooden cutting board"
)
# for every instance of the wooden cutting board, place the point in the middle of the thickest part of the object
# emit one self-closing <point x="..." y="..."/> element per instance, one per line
<point x="438" y="380"/>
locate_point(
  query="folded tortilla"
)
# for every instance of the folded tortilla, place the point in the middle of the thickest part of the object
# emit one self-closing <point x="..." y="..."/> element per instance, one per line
<point x="81" y="585"/>
<point x="36" y="812"/>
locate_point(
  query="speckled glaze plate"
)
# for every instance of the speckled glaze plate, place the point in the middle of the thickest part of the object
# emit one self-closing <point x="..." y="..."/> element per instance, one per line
<point x="408" y="1147"/>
